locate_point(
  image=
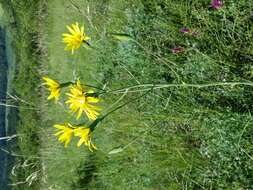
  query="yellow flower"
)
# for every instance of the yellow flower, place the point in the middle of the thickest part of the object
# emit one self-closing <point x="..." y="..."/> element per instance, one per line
<point x="85" y="137"/>
<point x="76" y="37"/>
<point x="66" y="132"/>
<point x="54" y="87"/>
<point x="81" y="103"/>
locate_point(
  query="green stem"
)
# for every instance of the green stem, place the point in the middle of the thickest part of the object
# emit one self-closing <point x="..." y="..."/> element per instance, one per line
<point x="126" y="103"/>
<point x="94" y="87"/>
<point x="150" y="87"/>
<point x="63" y="85"/>
<point x="146" y="87"/>
<point x="94" y="123"/>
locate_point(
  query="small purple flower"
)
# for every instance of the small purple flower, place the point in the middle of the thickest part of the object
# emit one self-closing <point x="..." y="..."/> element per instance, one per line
<point x="189" y="32"/>
<point x="216" y="4"/>
<point x="177" y="50"/>
<point x="185" y="30"/>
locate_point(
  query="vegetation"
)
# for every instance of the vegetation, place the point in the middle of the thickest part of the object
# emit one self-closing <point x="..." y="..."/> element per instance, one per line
<point x="177" y="137"/>
<point x="25" y="32"/>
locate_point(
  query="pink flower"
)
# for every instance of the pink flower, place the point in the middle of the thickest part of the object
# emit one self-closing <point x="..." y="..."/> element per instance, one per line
<point x="177" y="50"/>
<point x="216" y="4"/>
<point x="185" y="30"/>
<point x="189" y="31"/>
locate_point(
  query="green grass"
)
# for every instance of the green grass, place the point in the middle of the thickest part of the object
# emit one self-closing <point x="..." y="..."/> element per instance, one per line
<point x="23" y="33"/>
<point x="173" y="138"/>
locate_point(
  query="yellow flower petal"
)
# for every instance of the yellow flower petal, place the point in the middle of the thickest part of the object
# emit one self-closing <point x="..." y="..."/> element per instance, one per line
<point x="80" y="103"/>
<point x="76" y="37"/>
<point x="65" y="133"/>
<point x="85" y="137"/>
<point x="54" y="87"/>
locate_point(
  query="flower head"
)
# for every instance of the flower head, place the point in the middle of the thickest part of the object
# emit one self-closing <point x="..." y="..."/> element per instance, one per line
<point x="54" y="87"/>
<point x="216" y="4"/>
<point x="177" y="50"/>
<point x="76" y="37"/>
<point x="80" y="102"/>
<point x="65" y="133"/>
<point x="189" y="31"/>
<point x="185" y="30"/>
<point x="85" y="137"/>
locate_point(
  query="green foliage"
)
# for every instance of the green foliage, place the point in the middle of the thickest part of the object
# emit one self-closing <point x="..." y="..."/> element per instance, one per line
<point x="227" y="141"/>
<point x="205" y="125"/>
<point x="22" y="23"/>
<point x="174" y="138"/>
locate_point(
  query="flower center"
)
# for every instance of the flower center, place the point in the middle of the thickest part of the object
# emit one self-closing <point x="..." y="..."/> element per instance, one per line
<point x="82" y="100"/>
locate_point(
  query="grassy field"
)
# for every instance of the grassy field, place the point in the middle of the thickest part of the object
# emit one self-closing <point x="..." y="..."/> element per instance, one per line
<point x="24" y="86"/>
<point x="179" y="137"/>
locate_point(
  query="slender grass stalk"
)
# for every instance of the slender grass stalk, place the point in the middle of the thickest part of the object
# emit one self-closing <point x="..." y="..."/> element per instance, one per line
<point x="146" y="87"/>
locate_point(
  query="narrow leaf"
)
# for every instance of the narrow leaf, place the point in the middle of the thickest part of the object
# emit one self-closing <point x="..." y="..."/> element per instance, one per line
<point x="116" y="150"/>
<point x="121" y="37"/>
